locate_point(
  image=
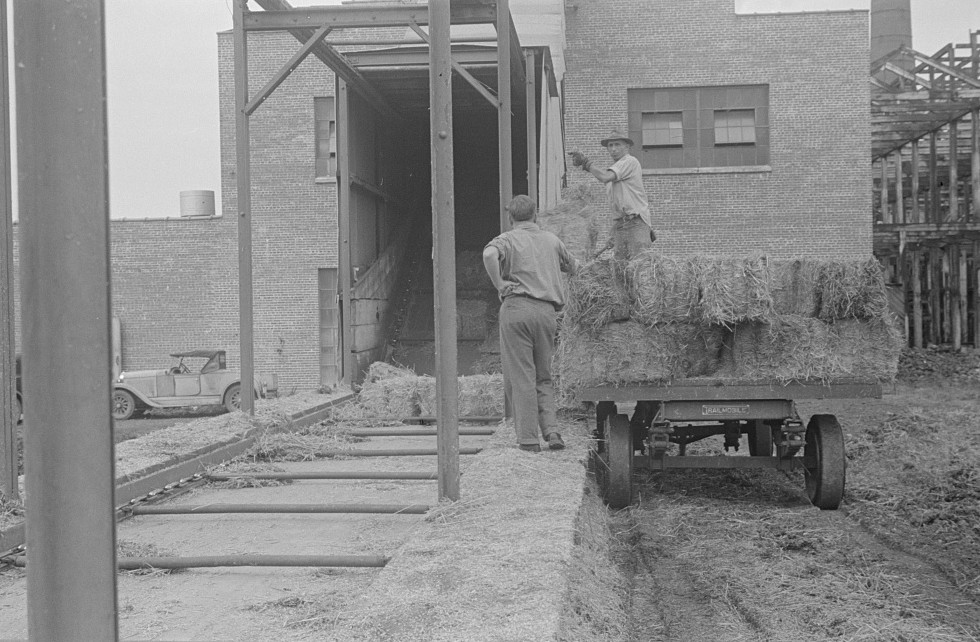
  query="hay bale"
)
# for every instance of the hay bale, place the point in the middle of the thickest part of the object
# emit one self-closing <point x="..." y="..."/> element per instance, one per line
<point x="852" y="290"/>
<point x="389" y="391"/>
<point x="804" y="348"/>
<point x="479" y="395"/>
<point x="661" y="289"/>
<point x="733" y="289"/>
<point x="595" y="293"/>
<point x="472" y="316"/>
<point x="631" y="352"/>
<point x="575" y="221"/>
<point x="794" y="286"/>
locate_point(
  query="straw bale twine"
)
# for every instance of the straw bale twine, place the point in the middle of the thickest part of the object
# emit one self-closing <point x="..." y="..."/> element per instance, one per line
<point x="852" y="290"/>
<point x="575" y="221"/>
<point x="595" y="293"/>
<point x="733" y="289"/>
<point x="794" y="286"/>
<point x="631" y="352"/>
<point x="661" y="289"/>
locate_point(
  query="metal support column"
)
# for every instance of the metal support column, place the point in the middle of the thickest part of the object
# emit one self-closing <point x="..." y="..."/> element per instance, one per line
<point x="8" y="399"/>
<point x="444" y="247"/>
<point x="532" y="128"/>
<point x="65" y="281"/>
<point x="244" y="183"/>
<point x="504" y="140"/>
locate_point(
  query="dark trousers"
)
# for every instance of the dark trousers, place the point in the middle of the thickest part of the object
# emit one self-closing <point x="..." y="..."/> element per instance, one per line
<point x="527" y="345"/>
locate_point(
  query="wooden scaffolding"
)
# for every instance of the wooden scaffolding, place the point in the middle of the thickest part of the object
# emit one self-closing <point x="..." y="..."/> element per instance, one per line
<point x="925" y="115"/>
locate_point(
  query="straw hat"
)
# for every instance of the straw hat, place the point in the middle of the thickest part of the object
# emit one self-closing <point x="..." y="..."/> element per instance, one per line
<point x="616" y="135"/>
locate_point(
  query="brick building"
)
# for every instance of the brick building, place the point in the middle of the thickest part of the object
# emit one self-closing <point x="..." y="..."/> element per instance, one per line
<point x="753" y="130"/>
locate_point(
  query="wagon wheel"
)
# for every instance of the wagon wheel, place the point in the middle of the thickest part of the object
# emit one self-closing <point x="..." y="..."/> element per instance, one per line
<point x="617" y="476"/>
<point x="123" y="405"/>
<point x="823" y="462"/>
<point x="602" y="411"/>
<point x="760" y="438"/>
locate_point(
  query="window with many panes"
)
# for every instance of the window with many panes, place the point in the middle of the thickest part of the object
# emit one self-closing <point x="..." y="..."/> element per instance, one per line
<point x="326" y="137"/>
<point x="698" y="127"/>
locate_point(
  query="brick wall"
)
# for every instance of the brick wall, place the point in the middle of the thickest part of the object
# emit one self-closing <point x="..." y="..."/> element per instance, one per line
<point x="816" y="199"/>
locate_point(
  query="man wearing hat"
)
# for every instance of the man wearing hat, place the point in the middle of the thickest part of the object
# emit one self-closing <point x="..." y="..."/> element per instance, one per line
<point x="631" y="231"/>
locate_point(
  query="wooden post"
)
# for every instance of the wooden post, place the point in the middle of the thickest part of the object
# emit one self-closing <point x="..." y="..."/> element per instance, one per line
<point x="954" y="213"/>
<point x="504" y="134"/>
<point x="899" y="189"/>
<point x="8" y="398"/>
<point x="933" y="274"/>
<point x="932" y="216"/>
<point x="976" y="294"/>
<point x="916" y="278"/>
<point x="975" y="165"/>
<point x="944" y="294"/>
<point x="885" y="210"/>
<point x="916" y="211"/>
<point x="962" y="290"/>
<point x="955" y="296"/>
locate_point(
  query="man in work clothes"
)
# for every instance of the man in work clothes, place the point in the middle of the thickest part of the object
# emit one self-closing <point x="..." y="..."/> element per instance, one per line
<point x="525" y="266"/>
<point x="631" y="231"/>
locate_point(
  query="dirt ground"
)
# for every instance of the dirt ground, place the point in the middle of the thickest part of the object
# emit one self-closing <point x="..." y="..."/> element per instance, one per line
<point x="741" y="555"/>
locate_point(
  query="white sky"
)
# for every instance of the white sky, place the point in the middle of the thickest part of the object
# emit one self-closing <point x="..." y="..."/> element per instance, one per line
<point x="163" y="89"/>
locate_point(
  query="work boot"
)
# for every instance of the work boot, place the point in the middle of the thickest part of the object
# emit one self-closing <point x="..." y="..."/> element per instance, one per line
<point x="555" y="441"/>
<point x="530" y="448"/>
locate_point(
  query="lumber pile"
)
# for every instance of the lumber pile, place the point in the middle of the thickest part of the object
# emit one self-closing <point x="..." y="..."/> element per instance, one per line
<point x="729" y="318"/>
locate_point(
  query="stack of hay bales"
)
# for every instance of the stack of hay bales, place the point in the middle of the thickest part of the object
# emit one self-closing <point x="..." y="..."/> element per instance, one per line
<point x="576" y="221"/>
<point x="728" y="319"/>
<point x="391" y="392"/>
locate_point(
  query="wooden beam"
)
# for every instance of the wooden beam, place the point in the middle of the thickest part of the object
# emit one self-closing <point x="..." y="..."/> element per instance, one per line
<point x="955" y="297"/>
<point x="944" y="69"/>
<point x="976" y="294"/>
<point x="962" y="291"/>
<point x="281" y="18"/>
<point x="899" y="189"/>
<point x="504" y="137"/>
<point x="975" y="166"/>
<point x="467" y="76"/>
<point x="954" y="178"/>
<point x="933" y="213"/>
<point x="916" y="210"/>
<point x="286" y="69"/>
<point x="331" y="57"/>
<point x="883" y="188"/>
<point x="915" y="263"/>
<point x="944" y="295"/>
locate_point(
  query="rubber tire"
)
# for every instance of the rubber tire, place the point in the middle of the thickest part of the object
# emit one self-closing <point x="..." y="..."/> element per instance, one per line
<point x="233" y="398"/>
<point x="123" y="405"/>
<point x="618" y="492"/>
<point x="824" y="464"/>
<point x="760" y="438"/>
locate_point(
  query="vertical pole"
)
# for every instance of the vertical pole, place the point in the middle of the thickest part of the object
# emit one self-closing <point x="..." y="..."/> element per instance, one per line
<point x="885" y="211"/>
<point x="976" y="294"/>
<point x="899" y="189"/>
<point x="348" y="361"/>
<point x="945" y="294"/>
<point x="955" y="297"/>
<point x="916" y="210"/>
<point x="65" y="281"/>
<point x="975" y="164"/>
<point x="8" y="397"/>
<point x="916" y="278"/>
<point x="244" y="183"/>
<point x="933" y="276"/>
<point x="933" y="215"/>
<point x="532" y="128"/>
<point x="504" y="111"/>
<point x="962" y="290"/>
<point x="444" y="247"/>
<point x="953" y="214"/>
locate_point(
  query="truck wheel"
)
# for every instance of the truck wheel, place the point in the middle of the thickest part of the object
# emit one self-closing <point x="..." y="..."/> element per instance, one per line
<point x="760" y="438"/>
<point x="233" y="397"/>
<point x="618" y="491"/>
<point x="123" y="405"/>
<point x="823" y="462"/>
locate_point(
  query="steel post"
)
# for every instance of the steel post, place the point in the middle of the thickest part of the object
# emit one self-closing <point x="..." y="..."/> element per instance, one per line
<point x="8" y="398"/>
<point x="65" y="281"/>
<point x="504" y="134"/>
<point x="444" y="247"/>
<point x="244" y="184"/>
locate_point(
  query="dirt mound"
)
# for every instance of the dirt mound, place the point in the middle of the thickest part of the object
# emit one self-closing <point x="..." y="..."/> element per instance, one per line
<point x="939" y="362"/>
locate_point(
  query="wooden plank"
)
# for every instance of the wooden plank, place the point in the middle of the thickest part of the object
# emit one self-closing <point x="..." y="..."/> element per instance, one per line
<point x="955" y="297"/>
<point x="975" y="163"/>
<point x="916" y="210"/>
<point x="963" y="293"/>
<point x="885" y="210"/>
<point x="916" y="277"/>
<point x="899" y="215"/>
<point x="954" y="178"/>
<point x="367" y="337"/>
<point x="976" y="294"/>
<point x="933" y="212"/>
<point x="932" y="259"/>
<point x="366" y="311"/>
<point x="722" y="390"/>
<point x="944" y="295"/>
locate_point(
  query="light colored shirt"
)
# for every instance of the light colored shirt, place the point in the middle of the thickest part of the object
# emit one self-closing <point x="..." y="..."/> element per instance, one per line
<point x="626" y="193"/>
<point x="532" y="260"/>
